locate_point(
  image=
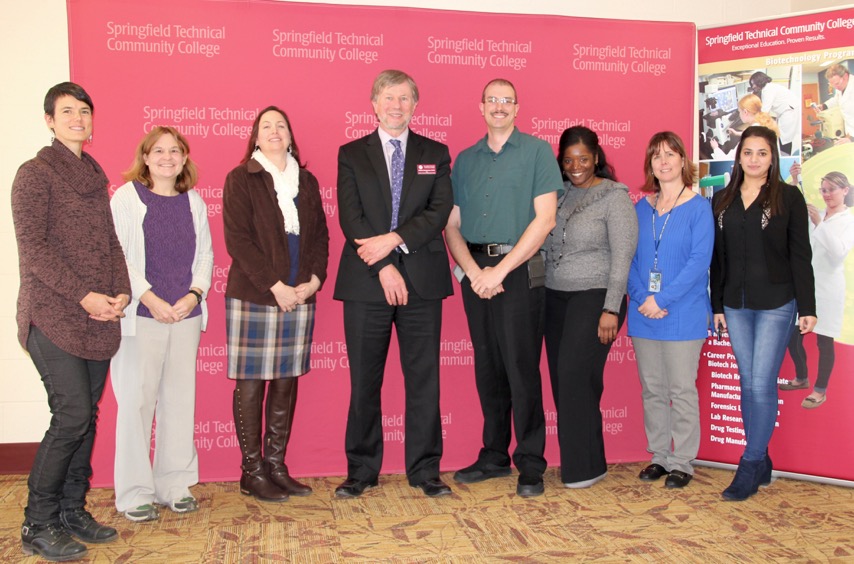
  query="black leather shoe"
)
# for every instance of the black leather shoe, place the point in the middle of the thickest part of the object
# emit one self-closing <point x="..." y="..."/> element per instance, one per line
<point x="51" y="542"/>
<point x="479" y="472"/>
<point x="434" y="487"/>
<point x="82" y="525"/>
<point x="530" y="487"/>
<point x="677" y="479"/>
<point x="354" y="488"/>
<point x="652" y="472"/>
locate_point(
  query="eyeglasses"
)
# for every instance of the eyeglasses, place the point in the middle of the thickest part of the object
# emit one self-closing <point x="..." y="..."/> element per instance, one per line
<point x="496" y="100"/>
<point x="830" y="190"/>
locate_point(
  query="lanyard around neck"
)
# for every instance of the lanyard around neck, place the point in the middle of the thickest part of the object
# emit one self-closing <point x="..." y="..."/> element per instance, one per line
<point x="657" y="237"/>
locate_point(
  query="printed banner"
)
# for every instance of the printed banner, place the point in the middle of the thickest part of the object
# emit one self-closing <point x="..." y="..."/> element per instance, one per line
<point x="804" y="61"/>
<point x="206" y="67"/>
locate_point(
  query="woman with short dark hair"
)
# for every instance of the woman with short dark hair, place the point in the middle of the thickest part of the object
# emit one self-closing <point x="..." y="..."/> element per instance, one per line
<point x="74" y="289"/>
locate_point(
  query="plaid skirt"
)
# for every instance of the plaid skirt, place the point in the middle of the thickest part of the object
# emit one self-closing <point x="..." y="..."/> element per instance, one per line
<point x="266" y="343"/>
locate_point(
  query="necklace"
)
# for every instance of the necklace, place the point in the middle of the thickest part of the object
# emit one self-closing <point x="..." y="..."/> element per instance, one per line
<point x="664" y="211"/>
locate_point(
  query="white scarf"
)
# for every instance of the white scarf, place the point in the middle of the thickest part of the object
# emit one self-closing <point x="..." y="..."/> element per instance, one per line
<point x="286" y="184"/>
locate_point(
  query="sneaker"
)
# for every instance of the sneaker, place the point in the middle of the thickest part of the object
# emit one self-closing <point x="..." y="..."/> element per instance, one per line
<point x="82" y="525"/>
<point x="183" y="505"/>
<point x="142" y="513"/>
<point x="584" y="483"/>
<point x="51" y="542"/>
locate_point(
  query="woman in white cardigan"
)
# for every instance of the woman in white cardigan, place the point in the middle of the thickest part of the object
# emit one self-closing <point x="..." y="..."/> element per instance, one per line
<point x="162" y="226"/>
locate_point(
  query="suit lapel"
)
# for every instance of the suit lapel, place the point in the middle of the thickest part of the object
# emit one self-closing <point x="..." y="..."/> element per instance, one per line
<point x="376" y="155"/>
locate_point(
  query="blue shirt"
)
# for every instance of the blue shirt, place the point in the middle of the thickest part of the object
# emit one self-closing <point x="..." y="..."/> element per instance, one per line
<point x="684" y="255"/>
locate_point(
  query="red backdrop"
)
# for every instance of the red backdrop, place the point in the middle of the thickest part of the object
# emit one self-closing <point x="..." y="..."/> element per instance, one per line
<point x="207" y="66"/>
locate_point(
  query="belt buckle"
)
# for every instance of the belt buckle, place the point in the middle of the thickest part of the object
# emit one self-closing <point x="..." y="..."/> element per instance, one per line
<point x="493" y="246"/>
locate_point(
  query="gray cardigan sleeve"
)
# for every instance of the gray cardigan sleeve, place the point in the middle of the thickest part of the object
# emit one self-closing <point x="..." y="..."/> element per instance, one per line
<point x="622" y="225"/>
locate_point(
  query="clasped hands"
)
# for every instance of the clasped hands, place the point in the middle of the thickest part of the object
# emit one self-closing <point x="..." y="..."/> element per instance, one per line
<point x="102" y="307"/>
<point x="650" y="309"/>
<point x="486" y="282"/>
<point x="289" y="297"/>
<point x="164" y="312"/>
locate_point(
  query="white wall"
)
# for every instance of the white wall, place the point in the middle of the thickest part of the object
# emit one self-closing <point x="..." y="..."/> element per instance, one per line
<point x="34" y="51"/>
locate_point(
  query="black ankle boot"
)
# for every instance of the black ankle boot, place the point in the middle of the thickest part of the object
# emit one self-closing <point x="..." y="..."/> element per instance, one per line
<point x="82" y="525"/>
<point x="51" y="542"/>
<point x="764" y="476"/>
<point x="746" y="480"/>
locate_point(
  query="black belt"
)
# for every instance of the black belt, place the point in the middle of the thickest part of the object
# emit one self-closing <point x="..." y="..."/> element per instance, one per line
<point x="490" y="249"/>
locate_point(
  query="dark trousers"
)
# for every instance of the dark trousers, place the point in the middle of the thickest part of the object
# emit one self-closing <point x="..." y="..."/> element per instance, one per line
<point x="826" y="359"/>
<point x="507" y="336"/>
<point x="59" y="478"/>
<point x="367" y="331"/>
<point x="576" y="365"/>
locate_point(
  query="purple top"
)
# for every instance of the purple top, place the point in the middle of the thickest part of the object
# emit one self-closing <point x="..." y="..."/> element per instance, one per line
<point x="168" y="265"/>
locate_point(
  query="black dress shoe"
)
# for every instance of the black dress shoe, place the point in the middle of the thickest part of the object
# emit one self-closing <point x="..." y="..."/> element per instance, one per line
<point x="530" y="487"/>
<point x="354" y="488"/>
<point x="434" y="487"/>
<point x="677" y="479"/>
<point x="478" y="472"/>
<point x="652" y="472"/>
<point x="51" y="542"/>
<point x="82" y="525"/>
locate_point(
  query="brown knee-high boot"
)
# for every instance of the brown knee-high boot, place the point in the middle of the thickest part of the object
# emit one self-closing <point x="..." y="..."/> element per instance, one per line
<point x="281" y="401"/>
<point x="248" y="402"/>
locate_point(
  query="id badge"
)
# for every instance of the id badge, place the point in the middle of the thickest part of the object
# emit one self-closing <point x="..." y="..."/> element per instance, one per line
<point x="654" y="281"/>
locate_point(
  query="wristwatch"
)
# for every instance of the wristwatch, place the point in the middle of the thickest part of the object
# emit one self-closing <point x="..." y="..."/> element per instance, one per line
<point x="197" y="294"/>
<point x="606" y="310"/>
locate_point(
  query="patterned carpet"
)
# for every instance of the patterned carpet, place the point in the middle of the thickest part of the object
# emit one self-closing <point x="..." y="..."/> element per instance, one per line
<point x="621" y="519"/>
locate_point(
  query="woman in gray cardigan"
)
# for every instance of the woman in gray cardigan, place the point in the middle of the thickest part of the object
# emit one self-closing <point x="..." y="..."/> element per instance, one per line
<point x="588" y="256"/>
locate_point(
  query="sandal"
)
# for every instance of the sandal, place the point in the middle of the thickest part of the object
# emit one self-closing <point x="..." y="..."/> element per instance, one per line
<point x="812" y="403"/>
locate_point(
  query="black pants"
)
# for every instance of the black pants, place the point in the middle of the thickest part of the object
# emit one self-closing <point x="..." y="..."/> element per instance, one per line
<point x="507" y="336"/>
<point x="826" y="359"/>
<point x="576" y="365"/>
<point x="59" y="478"/>
<point x="367" y="330"/>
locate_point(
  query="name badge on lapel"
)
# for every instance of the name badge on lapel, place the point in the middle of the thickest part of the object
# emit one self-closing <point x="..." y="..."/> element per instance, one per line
<point x="426" y="169"/>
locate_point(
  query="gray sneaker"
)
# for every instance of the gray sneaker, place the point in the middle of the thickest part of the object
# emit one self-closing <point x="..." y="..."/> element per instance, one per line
<point x="142" y="513"/>
<point x="183" y="505"/>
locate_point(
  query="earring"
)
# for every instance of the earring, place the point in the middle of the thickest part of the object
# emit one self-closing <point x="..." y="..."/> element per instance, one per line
<point x="257" y="148"/>
<point x="90" y="139"/>
<point x="52" y="138"/>
<point x="290" y="150"/>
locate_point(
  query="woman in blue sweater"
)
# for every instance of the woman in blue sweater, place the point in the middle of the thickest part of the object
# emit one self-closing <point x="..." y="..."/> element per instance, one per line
<point x="669" y="309"/>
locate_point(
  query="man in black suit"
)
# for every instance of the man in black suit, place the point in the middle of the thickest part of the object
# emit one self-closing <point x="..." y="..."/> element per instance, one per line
<point x="394" y="198"/>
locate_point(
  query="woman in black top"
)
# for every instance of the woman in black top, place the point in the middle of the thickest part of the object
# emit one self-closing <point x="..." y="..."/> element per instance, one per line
<point x="761" y="276"/>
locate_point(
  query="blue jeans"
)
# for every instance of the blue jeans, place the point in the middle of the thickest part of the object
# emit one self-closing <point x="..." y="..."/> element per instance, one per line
<point x="759" y="339"/>
<point x="59" y="478"/>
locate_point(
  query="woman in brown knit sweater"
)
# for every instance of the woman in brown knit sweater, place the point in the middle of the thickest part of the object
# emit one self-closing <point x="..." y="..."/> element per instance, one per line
<point x="74" y="288"/>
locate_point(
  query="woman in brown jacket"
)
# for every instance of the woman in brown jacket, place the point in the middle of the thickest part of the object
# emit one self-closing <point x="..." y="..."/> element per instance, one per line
<point x="275" y="232"/>
<point x="74" y="288"/>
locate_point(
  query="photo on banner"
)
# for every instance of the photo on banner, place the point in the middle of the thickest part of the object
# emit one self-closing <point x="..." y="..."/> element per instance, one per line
<point x="790" y="74"/>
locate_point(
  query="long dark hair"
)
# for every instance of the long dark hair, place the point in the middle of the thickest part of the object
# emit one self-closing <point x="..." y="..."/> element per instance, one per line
<point x="588" y="138"/>
<point x="769" y="194"/>
<point x="253" y="137"/>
